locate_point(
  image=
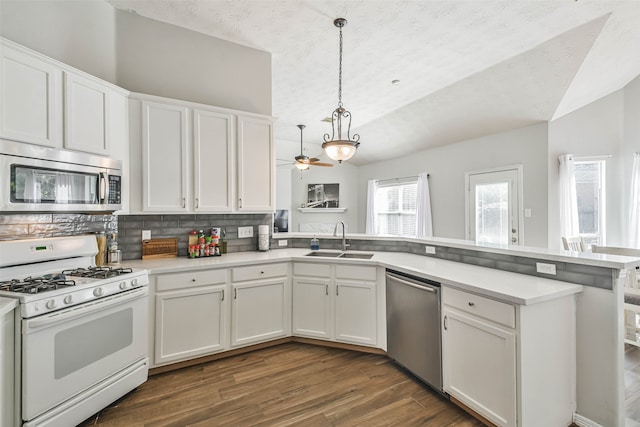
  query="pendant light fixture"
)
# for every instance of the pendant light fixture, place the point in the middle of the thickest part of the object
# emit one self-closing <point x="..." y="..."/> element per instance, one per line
<point x="336" y="147"/>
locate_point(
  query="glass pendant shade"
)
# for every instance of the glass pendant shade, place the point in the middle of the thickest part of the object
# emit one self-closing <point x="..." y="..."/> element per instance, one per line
<point x="340" y="150"/>
<point x="302" y="166"/>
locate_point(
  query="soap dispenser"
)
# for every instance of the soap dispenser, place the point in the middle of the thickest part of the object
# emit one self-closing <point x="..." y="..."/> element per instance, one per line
<point x="315" y="243"/>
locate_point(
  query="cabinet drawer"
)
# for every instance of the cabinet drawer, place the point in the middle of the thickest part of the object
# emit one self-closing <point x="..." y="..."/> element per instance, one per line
<point x="499" y="312"/>
<point x="166" y="282"/>
<point x="311" y="269"/>
<point x="258" y="272"/>
<point x="355" y="272"/>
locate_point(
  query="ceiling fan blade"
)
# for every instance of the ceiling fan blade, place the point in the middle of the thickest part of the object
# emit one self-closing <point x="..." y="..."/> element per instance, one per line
<point x="327" y="165"/>
<point x="314" y="159"/>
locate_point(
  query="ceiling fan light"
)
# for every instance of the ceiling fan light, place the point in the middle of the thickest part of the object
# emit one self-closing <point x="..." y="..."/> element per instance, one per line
<point x="302" y="166"/>
<point x="340" y="150"/>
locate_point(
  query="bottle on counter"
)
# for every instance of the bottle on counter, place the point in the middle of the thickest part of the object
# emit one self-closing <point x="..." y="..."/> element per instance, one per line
<point x="315" y="243"/>
<point x="223" y="242"/>
<point x="101" y="239"/>
<point x="193" y="243"/>
<point x="114" y="254"/>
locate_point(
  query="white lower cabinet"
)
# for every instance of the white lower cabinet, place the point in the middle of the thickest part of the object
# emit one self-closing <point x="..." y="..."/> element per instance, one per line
<point x="335" y="302"/>
<point x="261" y="304"/>
<point x="512" y="364"/>
<point x="190" y="315"/>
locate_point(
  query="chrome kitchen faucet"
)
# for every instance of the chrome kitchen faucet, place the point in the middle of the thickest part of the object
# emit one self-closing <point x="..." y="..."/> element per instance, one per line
<point x="335" y="233"/>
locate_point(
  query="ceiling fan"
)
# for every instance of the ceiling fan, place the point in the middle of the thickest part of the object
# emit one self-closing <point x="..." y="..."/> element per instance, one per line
<point x="303" y="162"/>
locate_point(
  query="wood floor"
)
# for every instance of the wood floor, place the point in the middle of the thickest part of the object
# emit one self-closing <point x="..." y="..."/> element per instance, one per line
<point x="290" y="384"/>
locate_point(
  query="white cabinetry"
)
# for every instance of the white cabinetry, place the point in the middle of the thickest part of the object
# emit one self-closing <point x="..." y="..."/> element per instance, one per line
<point x="336" y="302"/>
<point x="164" y="157"/>
<point x="7" y="367"/>
<point x="511" y="364"/>
<point x="86" y="115"/>
<point x="39" y="97"/>
<point x="261" y="306"/>
<point x="190" y="315"/>
<point x="30" y="97"/>
<point x="256" y="165"/>
<point x="193" y="160"/>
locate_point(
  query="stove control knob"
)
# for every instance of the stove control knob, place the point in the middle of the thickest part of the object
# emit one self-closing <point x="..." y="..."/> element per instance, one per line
<point x="134" y="282"/>
<point x="98" y="292"/>
<point x="123" y="285"/>
<point x="68" y="299"/>
<point x="51" y="304"/>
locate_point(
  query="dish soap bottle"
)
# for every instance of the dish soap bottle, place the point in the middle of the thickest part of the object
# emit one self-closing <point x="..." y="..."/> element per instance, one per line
<point x="315" y="243"/>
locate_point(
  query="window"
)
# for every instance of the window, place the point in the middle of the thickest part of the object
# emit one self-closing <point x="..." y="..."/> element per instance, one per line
<point x="590" y="191"/>
<point x="396" y="208"/>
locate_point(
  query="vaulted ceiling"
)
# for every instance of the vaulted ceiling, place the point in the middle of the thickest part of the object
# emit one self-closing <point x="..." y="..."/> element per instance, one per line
<point x="465" y="68"/>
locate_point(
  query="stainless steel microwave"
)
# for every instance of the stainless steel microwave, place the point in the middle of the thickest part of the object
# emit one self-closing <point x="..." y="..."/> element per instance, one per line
<point x="38" y="179"/>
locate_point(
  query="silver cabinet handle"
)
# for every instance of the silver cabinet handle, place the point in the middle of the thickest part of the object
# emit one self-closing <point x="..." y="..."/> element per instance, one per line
<point x="326" y="289"/>
<point x="445" y="323"/>
<point x="197" y="203"/>
<point x="240" y="202"/>
<point x="235" y="293"/>
<point x="337" y="289"/>
<point x="471" y="304"/>
<point x="222" y="299"/>
<point x="184" y="202"/>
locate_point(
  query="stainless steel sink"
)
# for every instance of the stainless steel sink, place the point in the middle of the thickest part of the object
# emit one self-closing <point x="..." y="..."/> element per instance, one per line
<point x="353" y="255"/>
<point x="324" y="254"/>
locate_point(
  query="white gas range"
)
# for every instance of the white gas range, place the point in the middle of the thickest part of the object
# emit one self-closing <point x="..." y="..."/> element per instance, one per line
<point x="81" y="330"/>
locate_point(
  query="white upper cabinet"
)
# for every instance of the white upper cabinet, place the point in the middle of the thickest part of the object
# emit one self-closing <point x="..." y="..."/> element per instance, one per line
<point x="164" y="157"/>
<point x="213" y="139"/>
<point x="86" y="115"/>
<point x="194" y="160"/>
<point x="46" y="102"/>
<point x="30" y="97"/>
<point x="256" y="165"/>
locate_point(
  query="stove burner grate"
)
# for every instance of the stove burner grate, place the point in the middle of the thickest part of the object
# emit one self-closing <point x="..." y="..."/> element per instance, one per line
<point x="34" y="285"/>
<point x="97" y="272"/>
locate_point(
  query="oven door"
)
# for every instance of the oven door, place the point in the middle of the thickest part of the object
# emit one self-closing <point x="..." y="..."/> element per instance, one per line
<point x="69" y="351"/>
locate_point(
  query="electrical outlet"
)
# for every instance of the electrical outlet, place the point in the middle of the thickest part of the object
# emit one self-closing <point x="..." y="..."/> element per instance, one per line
<point x="545" y="268"/>
<point x="282" y="243"/>
<point x="245" y="232"/>
<point x="430" y="250"/>
<point x="146" y="234"/>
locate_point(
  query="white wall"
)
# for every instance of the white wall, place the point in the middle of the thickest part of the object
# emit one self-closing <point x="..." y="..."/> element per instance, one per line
<point x="346" y="175"/>
<point x="170" y="61"/>
<point x="594" y="130"/>
<point x="447" y="165"/>
<point x="78" y="33"/>
<point x="631" y="142"/>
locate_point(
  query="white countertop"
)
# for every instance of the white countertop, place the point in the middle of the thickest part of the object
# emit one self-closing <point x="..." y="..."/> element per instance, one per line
<point x="7" y="305"/>
<point x="557" y="255"/>
<point x="503" y="285"/>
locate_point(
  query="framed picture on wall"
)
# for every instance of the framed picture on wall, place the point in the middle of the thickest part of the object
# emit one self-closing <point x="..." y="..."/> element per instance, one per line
<point x="322" y="196"/>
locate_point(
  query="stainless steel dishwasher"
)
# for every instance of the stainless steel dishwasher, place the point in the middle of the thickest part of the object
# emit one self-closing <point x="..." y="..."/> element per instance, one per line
<point x="413" y="326"/>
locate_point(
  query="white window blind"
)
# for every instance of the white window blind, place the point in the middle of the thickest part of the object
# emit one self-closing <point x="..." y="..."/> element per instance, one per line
<point x="396" y="208"/>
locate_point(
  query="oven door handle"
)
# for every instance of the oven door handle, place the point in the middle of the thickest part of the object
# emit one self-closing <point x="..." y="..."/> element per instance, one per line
<point x="31" y="325"/>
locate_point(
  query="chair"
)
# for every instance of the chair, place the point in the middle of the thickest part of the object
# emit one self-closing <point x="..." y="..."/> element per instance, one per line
<point x="573" y="244"/>
<point x="631" y="293"/>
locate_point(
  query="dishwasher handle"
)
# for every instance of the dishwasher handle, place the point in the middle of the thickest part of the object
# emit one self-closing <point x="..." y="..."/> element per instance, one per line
<point x="424" y="287"/>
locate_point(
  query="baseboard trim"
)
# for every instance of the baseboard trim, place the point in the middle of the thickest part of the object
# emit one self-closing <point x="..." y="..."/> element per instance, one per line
<point x="471" y="412"/>
<point x="581" y="421"/>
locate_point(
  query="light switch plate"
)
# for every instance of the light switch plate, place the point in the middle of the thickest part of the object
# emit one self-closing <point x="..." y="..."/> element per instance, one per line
<point x="430" y="250"/>
<point x="146" y="234"/>
<point x="541" y="267"/>
<point x="245" y="232"/>
<point x="282" y="243"/>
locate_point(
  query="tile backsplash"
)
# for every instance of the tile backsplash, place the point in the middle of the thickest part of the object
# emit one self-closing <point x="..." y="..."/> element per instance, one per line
<point x="129" y="228"/>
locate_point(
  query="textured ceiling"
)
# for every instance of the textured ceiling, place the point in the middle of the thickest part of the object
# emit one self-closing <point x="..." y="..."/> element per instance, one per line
<point x="466" y="68"/>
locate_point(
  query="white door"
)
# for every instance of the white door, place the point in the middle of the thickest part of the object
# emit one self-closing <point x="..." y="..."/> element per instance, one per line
<point x="311" y="308"/>
<point x="258" y="312"/>
<point x="494" y="200"/>
<point x="256" y="165"/>
<point x="355" y="312"/>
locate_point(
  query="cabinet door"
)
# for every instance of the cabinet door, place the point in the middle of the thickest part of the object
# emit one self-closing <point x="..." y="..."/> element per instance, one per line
<point x="213" y="157"/>
<point x="355" y="312"/>
<point x="164" y="157"/>
<point x="258" y="311"/>
<point x="30" y="98"/>
<point x="479" y="366"/>
<point x="311" y="308"/>
<point x="189" y="323"/>
<point x="256" y="165"/>
<point x="86" y="115"/>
